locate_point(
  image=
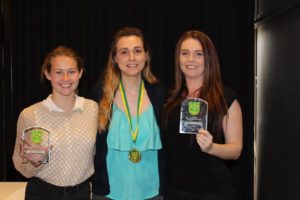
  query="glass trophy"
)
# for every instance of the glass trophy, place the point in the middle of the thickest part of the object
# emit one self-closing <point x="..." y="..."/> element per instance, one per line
<point x="193" y="115"/>
<point x="37" y="144"/>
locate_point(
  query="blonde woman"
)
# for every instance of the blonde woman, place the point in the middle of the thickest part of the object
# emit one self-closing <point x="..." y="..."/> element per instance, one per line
<point x="130" y="100"/>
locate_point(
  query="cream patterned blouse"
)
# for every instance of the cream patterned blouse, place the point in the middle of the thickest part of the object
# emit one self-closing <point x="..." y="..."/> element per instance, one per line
<point x="73" y="136"/>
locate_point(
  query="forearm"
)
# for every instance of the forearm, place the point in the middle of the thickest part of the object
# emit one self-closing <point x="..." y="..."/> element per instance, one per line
<point x="26" y="169"/>
<point x="226" y="151"/>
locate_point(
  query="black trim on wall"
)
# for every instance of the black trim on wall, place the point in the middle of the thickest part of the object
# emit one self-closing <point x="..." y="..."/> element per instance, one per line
<point x="2" y="143"/>
<point x="273" y="11"/>
<point x="277" y="105"/>
<point x="6" y="87"/>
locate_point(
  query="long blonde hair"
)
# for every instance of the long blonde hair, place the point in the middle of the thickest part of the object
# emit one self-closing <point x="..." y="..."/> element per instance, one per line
<point x="112" y="76"/>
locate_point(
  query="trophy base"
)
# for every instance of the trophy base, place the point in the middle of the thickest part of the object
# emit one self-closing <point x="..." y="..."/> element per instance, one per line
<point x="35" y="152"/>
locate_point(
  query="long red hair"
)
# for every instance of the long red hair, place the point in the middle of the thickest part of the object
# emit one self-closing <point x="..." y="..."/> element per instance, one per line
<point x="212" y="88"/>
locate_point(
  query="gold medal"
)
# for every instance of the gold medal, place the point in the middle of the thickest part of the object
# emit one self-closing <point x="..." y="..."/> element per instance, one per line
<point x="134" y="155"/>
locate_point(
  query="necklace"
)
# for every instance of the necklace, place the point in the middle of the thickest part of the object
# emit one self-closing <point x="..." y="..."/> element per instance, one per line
<point x="134" y="155"/>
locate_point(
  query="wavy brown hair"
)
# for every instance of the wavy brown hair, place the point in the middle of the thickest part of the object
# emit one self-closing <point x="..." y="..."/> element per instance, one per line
<point x="112" y="75"/>
<point x="211" y="89"/>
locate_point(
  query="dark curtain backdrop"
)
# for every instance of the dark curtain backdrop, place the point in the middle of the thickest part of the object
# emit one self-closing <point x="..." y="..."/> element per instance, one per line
<point x="34" y="27"/>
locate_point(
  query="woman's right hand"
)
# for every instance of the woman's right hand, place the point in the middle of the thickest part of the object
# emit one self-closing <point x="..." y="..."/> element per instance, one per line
<point x="34" y="154"/>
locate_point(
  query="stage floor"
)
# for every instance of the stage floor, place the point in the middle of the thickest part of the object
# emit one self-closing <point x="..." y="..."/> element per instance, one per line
<point x="12" y="190"/>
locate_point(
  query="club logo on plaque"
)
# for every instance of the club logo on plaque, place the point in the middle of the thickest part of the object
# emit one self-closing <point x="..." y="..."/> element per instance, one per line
<point x="193" y="115"/>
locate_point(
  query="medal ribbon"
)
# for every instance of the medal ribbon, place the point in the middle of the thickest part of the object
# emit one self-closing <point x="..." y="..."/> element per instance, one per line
<point x="134" y="133"/>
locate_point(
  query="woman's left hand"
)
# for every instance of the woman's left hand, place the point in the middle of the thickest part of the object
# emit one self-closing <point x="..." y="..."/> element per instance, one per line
<point x="204" y="139"/>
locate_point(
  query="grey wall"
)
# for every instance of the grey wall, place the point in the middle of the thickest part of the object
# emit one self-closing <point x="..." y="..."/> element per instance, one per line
<point x="277" y="122"/>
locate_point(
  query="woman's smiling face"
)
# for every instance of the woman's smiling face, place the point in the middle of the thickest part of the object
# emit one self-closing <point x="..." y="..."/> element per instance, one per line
<point x="192" y="59"/>
<point x="130" y="55"/>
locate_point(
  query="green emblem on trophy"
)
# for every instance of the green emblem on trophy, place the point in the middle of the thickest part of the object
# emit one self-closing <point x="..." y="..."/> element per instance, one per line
<point x="193" y="115"/>
<point x="194" y="107"/>
<point x="36" y="136"/>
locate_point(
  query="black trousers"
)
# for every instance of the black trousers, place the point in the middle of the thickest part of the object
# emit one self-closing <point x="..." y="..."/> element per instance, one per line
<point x="173" y="193"/>
<point x="38" y="189"/>
<point x="98" y="197"/>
